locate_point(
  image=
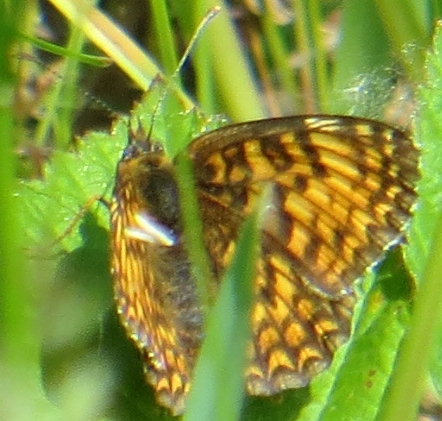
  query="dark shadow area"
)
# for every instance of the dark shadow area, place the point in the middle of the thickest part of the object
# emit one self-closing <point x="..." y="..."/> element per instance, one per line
<point x="284" y="406"/>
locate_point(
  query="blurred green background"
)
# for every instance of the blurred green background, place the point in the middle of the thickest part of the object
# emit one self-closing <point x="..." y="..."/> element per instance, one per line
<point x="63" y="353"/>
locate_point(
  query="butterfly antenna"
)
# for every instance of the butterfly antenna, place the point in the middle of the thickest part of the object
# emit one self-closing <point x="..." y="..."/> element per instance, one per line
<point x="53" y="74"/>
<point x="208" y="17"/>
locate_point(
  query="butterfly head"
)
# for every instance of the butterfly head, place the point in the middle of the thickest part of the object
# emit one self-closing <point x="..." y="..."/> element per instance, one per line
<point x="140" y="143"/>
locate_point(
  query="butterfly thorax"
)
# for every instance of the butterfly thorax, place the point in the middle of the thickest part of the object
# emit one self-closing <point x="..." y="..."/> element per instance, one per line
<point x="149" y="174"/>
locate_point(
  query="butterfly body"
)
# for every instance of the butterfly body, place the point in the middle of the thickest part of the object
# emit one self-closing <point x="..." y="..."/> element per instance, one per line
<point x="341" y="191"/>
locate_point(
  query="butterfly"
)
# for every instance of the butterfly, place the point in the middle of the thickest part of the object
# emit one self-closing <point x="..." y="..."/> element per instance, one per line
<point x="342" y="190"/>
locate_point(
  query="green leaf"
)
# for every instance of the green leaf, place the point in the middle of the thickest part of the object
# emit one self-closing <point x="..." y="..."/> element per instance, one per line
<point x="73" y="181"/>
<point x="428" y="127"/>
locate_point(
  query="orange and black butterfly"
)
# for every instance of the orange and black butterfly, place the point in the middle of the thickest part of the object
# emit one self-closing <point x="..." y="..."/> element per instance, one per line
<point x="342" y="190"/>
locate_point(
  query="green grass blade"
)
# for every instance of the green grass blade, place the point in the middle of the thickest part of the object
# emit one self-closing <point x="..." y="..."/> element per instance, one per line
<point x="424" y="255"/>
<point x="219" y="380"/>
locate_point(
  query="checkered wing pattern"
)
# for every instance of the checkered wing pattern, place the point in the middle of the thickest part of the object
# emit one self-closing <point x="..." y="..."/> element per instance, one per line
<point x="342" y="189"/>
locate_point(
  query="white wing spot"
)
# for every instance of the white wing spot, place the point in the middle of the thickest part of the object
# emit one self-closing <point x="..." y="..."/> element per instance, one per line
<point x="149" y="230"/>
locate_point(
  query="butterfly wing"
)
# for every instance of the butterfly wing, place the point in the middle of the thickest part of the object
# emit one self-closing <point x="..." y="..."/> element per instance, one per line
<point x="342" y="189"/>
<point x="295" y="331"/>
<point x="155" y="297"/>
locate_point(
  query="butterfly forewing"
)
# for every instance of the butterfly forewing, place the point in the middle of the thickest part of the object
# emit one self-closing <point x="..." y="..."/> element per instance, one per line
<point x="341" y="191"/>
<point x="155" y="297"/>
<point x="342" y="188"/>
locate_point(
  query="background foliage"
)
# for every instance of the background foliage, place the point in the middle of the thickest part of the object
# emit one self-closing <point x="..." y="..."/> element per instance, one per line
<point x="63" y="352"/>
